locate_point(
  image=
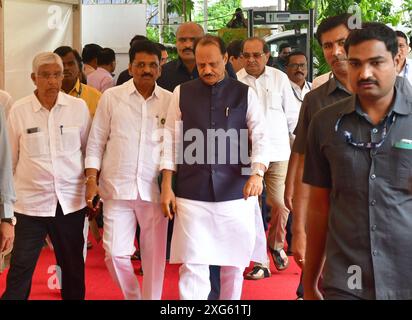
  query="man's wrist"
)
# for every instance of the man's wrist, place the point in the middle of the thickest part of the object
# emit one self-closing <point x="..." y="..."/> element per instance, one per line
<point x="89" y="178"/>
<point x="12" y="221"/>
<point x="258" y="172"/>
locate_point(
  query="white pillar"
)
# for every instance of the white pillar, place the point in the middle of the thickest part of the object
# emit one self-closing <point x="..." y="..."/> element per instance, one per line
<point x="161" y="19"/>
<point x="205" y="16"/>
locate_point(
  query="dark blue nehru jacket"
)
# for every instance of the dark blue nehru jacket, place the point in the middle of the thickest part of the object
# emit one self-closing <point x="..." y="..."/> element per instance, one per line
<point x="203" y="107"/>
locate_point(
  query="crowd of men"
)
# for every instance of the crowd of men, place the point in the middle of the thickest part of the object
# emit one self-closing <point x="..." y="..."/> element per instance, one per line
<point x="198" y="141"/>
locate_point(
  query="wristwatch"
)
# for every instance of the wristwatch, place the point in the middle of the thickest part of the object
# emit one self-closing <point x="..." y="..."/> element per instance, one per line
<point x="11" y="220"/>
<point x="258" y="172"/>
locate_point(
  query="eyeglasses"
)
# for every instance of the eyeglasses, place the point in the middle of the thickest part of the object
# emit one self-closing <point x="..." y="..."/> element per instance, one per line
<point x="366" y="145"/>
<point x="142" y="65"/>
<point x="45" y="75"/>
<point x="255" y="55"/>
<point x="298" y="65"/>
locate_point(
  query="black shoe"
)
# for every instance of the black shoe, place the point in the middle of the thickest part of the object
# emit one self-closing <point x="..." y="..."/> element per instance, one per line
<point x="280" y="259"/>
<point x="258" y="272"/>
<point x="136" y="255"/>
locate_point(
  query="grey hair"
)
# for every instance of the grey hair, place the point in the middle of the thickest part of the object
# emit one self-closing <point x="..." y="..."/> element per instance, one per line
<point x="46" y="58"/>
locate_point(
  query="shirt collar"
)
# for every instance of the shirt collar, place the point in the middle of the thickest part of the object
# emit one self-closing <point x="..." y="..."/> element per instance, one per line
<point x="334" y="84"/>
<point x="76" y="88"/>
<point x="243" y="74"/>
<point x="131" y="89"/>
<point x="181" y="66"/>
<point x="401" y="105"/>
<point x="297" y="87"/>
<point x="103" y="70"/>
<point x="61" y="101"/>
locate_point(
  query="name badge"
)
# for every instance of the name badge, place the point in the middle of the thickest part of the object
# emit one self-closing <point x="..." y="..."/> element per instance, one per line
<point x="33" y="130"/>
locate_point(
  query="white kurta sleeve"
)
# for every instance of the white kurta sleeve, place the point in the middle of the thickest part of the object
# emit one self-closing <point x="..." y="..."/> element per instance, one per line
<point x="173" y="129"/>
<point x="257" y="130"/>
<point x="99" y="133"/>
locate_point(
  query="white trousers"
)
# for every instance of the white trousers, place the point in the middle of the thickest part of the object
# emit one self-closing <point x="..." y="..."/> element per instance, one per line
<point x="120" y="222"/>
<point x="194" y="283"/>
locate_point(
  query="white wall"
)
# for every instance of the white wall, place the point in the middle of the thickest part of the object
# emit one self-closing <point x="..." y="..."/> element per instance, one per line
<point x="113" y="26"/>
<point x="31" y="27"/>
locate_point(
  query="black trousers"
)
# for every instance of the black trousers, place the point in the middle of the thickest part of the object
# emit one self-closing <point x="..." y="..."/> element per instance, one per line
<point x="66" y="234"/>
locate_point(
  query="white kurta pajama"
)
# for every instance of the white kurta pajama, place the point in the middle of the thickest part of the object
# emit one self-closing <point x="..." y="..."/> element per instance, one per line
<point x="124" y="143"/>
<point x="213" y="233"/>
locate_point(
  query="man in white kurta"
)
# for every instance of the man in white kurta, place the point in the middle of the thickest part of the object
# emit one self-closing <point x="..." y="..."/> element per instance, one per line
<point x="281" y="112"/>
<point x="214" y="201"/>
<point x="124" y="145"/>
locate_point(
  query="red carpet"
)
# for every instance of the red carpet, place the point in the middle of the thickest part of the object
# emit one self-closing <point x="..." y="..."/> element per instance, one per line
<point x="99" y="285"/>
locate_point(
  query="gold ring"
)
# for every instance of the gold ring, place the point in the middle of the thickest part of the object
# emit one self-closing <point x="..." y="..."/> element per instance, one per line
<point x="89" y="200"/>
<point x="301" y="260"/>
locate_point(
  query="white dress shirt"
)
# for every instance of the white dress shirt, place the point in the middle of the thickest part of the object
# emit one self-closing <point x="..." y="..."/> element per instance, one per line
<point x="280" y="109"/>
<point x="47" y="154"/>
<point x="124" y="142"/>
<point x="406" y="71"/>
<point x="254" y="117"/>
<point x="299" y="92"/>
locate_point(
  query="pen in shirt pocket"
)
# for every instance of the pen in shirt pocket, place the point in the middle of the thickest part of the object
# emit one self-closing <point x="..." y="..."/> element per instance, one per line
<point x="61" y="129"/>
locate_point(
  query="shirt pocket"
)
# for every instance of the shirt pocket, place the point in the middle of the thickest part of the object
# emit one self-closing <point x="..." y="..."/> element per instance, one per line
<point x="274" y="101"/>
<point x="401" y="162"/>
<point x="154" y="141"/>
<point x="37" y="144"/>
<point x="70" y="139"/>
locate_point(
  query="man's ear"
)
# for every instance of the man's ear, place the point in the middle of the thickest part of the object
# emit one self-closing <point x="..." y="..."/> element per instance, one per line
<point x="130" y="70"/>
<point x="225" y="58"/>
<point x="33" y="77"/>
<point x="397" y="62"/>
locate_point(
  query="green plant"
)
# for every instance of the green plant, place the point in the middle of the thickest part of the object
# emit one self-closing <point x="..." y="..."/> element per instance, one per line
<point x="371" y="10"/>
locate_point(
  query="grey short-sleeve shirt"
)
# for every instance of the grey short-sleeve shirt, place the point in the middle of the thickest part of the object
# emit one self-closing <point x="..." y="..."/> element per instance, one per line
<point x="327" y="94"/>
<point x="370" y="216"/>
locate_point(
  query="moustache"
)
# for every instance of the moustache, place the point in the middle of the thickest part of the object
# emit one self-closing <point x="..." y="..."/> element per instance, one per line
<point x="367" y="81"/>
<point x="207" y="75"/>
<point x="147" y="75"/>
<point x="188" y="50"/>
<point x="298" y="72"/>
<point x="339" y="59"/>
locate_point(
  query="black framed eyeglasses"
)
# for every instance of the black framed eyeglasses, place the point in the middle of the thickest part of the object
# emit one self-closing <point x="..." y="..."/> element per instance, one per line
<point x="255" y="55"/>
<point x="366" y="145"/>
<point x="298" y="65"/>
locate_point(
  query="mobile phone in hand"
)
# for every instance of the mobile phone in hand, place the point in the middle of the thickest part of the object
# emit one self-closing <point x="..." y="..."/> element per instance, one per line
<point x="96" y="201"/>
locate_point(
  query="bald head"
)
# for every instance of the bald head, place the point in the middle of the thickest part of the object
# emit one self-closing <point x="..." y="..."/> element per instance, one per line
<point x="186" y="35"/>
<point x="191" y="27"/>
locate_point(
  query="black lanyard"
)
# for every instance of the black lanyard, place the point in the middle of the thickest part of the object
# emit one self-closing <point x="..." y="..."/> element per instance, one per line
<point x="296" y="95"/>
<point x="367" y="145"/>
